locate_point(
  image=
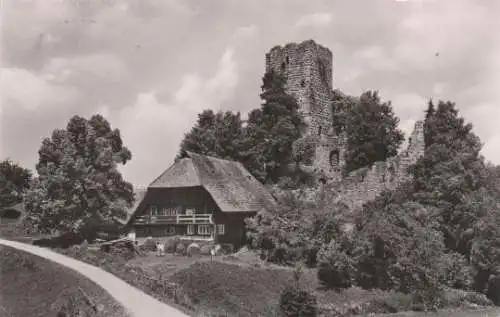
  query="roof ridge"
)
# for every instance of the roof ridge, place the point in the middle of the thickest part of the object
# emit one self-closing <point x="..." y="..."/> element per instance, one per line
<point x="162" y="173"/>
<point x="196" y="169"/>
<point x="212" y="157"/>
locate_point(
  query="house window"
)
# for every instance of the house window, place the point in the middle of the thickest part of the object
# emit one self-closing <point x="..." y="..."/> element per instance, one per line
<point x="154" y="210"/>
<point x="190" y="212"/>
<point x="190" y="229"/>
<point x="169" y="211"/>
<point x="205" y="229"/>
<point x="221" y="230"/>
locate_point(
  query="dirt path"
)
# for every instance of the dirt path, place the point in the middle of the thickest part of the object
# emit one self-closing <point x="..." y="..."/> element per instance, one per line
<point x="136" y="302"/>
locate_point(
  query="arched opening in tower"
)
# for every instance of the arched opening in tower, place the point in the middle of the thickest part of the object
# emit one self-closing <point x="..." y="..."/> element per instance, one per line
<point x="334" y="158"/>
<point x="320" y="130"/>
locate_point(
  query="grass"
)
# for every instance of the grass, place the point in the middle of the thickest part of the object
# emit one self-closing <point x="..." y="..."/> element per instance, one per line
<point x="241" y="285"/>
<point x="229" y="288"/>
<point x="35" y="287"/>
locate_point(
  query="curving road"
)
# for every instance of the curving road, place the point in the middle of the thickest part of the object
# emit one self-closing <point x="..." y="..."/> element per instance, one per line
<point x="135" y="301"/>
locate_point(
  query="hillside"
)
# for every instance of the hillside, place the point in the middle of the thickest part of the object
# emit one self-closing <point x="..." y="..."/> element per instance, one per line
<point x="32" y="286"/>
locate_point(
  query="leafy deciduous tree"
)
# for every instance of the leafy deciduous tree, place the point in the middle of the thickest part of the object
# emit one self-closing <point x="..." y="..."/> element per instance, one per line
<point x="372" y="132"/>
<point x="79" y="182"/>
<point x="14" y="182"/>
<point x="272" y="130"/>
<point x="215" y="134"/>
<point x="451" y="175"/>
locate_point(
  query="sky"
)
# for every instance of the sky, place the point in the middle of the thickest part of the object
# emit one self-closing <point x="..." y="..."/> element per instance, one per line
<point x="150" y="66"/>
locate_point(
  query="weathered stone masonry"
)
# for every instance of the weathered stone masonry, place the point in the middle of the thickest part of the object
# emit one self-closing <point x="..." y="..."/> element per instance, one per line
<point x="308" y="69"/>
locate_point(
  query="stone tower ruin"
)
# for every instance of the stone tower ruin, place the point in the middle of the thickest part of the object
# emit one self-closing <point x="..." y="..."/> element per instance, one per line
<point x="308" y="69"/>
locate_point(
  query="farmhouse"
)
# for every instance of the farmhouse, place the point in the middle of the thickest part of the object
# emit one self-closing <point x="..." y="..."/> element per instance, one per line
<point x="201" y="198"/>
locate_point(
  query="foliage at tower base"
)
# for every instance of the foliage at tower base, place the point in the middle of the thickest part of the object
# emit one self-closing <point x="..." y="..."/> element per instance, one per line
<point x="79" y="182"/>
<point x="371" y="129"/>
<point x="439" y="230"/>
<point x="14" y="181"/>
<point x="265" y="144"/>
<point x="295" y="231"/>
<point x="394" y="246"/>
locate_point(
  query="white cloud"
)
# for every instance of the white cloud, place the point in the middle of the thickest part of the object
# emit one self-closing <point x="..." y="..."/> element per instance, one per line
<point x="375" y="57"/>
<point x="320" y="19"/>
<point x="166" y="52"/>
<point x="164" y="124"/>
<point x="491" y="149"/>
<point x="244" y="32"/>
<point x="102" y="67"/>
<point x="32" y="91"/>
<point x="408" y="106"/>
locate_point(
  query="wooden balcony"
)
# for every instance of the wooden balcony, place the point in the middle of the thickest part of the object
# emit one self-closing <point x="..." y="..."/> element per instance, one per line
<point x="175" y="219"/>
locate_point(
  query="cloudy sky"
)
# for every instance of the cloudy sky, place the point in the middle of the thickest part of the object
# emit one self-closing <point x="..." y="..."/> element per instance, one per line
<point x="150" y="66"/>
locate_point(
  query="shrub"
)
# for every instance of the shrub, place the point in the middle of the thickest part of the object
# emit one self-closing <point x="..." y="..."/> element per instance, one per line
<point x="458" y="298"/>
<point x="227" y="248"/>
<point x="171" y="244"/>
<point x="456" y="272"/>
<point x="150" y="245"/>
<point x="336" y="269"/>
<point x="180" y="249"/>
<point x="205" y="250"/>
<point x="295" y="302"/>
<point x="193" y="249"/>
<point x="493" y="291"/>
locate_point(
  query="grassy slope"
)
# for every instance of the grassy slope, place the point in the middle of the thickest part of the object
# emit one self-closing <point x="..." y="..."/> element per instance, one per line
<point x="30" y="285"/>
<point x="244" y="290"/>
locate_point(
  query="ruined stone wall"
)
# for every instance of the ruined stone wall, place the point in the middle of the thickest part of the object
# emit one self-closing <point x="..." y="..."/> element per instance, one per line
<point x="365" y="184"/>
<point x="308" y="69"/>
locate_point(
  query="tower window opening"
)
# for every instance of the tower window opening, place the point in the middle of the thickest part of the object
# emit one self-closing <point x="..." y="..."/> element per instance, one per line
<point x="320" y="130"/>
<point x="334" y="158"/>
<point x="302" y="83"/>
<point x="287" y="60"/>
<point x="283" y="66"/>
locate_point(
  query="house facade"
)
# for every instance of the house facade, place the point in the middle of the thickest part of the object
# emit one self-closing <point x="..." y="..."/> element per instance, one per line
<point x="201" y="198"/>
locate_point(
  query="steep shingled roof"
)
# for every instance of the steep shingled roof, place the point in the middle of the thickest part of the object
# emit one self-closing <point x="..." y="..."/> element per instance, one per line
<point x="139" y="194"/>
<point x="231" y="186"/>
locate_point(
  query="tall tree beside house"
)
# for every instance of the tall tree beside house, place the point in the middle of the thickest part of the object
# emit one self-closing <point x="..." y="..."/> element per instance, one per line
<point x="79" y="182"/>
<point x="372" y="132"/>
<point x="272" y="130"/>
<point x="214" y="134"/>
<point x="14" y="182"/>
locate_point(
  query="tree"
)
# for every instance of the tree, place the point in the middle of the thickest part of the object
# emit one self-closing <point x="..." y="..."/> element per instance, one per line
<point x="398" y="246"/>
<point x="272" y="130"/>
<point x="304" y="149"/>
<point x="451" y="175"/>
<point x="295" y="301"/>
<point x="214" y="134"/>
<point x="336" y="267"/>
<point x="341" y="106"/>
<point x="14" y="182"/>
<point x="372" y="132"/>
<point x="485" y="244"/>
<point x="79" y="183"/>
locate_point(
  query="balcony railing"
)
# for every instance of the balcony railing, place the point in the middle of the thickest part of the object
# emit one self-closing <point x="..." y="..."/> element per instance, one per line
<point x="176" y="219"/>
